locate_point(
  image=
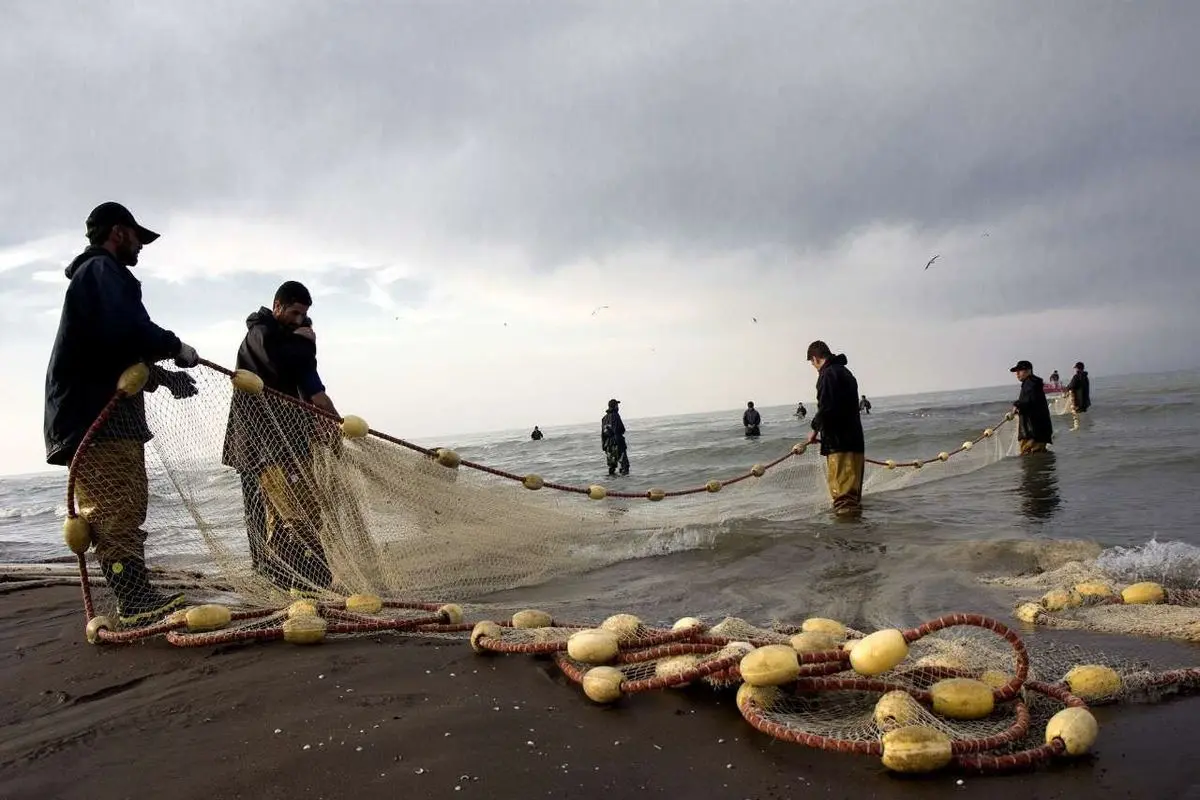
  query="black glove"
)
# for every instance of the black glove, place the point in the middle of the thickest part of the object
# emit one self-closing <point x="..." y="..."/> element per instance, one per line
<point x="180" y="384"/>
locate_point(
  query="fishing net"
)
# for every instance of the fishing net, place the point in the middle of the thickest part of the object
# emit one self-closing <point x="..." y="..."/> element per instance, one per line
<point x="267" y="497"/>
<point x="280" y="522"/>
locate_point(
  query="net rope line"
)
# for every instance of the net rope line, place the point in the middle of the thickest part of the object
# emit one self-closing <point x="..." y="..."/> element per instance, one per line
<point x="532" y="481"/>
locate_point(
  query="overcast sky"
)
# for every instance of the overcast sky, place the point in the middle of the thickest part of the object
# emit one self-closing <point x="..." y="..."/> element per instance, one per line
<point x="462" y="184"/>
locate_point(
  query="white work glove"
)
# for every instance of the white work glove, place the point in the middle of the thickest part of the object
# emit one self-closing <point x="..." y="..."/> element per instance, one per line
<point x="187" y="357"/>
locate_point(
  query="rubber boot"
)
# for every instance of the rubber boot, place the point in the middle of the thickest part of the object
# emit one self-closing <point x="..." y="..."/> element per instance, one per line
<point x="138" y="602"/>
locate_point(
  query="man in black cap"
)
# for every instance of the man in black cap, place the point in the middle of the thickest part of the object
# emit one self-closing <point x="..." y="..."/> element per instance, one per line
<point x="103" y="330"/>
<point x="1036" y="430"/>
<point x="612" y="439"/>
<point x="1080" y="389"/>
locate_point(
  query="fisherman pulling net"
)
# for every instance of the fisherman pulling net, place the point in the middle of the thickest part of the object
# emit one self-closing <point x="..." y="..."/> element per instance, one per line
<point x="344" y="531"/>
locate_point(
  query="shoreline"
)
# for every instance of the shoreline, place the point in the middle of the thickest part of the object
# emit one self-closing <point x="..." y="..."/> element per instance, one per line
<point x="387" y="714"/>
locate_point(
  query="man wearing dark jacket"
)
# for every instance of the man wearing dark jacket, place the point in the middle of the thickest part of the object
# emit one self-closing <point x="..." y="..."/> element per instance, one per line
<point x="612" y="439"/>
<point x="840" y="428"/>
<point x="751" y="419"/>
<point x="1036" y="431"/>
<point x="1080" y="389"/>
<point x="103" y="330"/>
<point x="270" y="443"/>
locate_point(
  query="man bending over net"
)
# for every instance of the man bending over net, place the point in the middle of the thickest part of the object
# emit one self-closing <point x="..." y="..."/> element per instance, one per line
<point x="269" y="442"/>
<point x="840" y="428"/>
<point x="103" y="330"/>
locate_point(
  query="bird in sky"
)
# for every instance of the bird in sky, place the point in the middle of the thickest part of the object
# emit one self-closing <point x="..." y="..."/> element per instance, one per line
<point x="598" y="309"/>
<point x="755" y="319"/>
<point x="935" y="258"/>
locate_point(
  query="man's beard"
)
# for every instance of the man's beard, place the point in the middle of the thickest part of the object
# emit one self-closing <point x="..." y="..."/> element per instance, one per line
<point x="127" y="256"/>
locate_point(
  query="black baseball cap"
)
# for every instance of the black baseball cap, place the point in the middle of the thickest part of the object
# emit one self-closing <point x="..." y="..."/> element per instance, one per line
<point x="108" y="214"/>
<point x="1022" y="364"/>
<point x="614" y="402"/>
<point x="1078" y="365"/>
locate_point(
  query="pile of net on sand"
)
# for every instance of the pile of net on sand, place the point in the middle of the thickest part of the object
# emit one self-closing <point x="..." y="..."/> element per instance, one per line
<point x="400" y="531"/>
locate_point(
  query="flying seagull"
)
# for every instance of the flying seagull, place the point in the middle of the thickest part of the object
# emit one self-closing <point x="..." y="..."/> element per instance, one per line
<point x="935" y="258"/>
<point x="598" y="308"/>
<point x="755" y="319"/>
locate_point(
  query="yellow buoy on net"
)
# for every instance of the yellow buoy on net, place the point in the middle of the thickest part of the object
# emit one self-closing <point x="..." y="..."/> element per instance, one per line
<point x="962" y="698"/>
<point x="625" y="626"/>
<point x="531" y="618"/>
<point x="771" y="665"/>
<point x="447" y="458"/>
<point x="1145" y="593"/>
<point x="1058" y="599"/>
<point x="302" y="608"/>
<point x="655" y="494"/>
<point x="593" y="646"/>
<point x="916" y="749"/>
<point x="208" y="617"/>
<point x="597" y="492"/>
<point x="364" y="604"/>
<point x="897" y="709"/>
<point x="354" y="427"/>
<point x="94" y="626"/>
<point x="603" y="684"/>
<point x="484" y="630"/>
<point x="77" y="534"/>
<point x="304" y="630"/>
<point x="762" y="696"/>
<point x="713" y="486"/>
<point x="823" y="625"/>
<point x="878" y="652"/>
<point x="1075" y="727"/>
<point x="533" y="482"/>
<point x="247" y="382"/>
<point x="452" y="613"/>
<point x="133" y="379"/>
<point x="1091" y="682"/>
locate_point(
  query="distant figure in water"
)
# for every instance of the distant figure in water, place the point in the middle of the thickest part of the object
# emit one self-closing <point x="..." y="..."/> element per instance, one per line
<point x="536" y="435"/>
<point x="864" y="405"/>
<point x="1054" y="377"/>
<point x="612" y="439"/>
<point x="1080" y="389"/>
<point x="801" y="411"/>
<point x="840" y="428"/>
<point x="751" y="419"/>
<point x="1036" y="429"/>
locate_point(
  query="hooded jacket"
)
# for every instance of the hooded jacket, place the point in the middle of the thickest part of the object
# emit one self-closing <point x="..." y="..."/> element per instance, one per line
<point x="837" y="420"/>
<point x="103" y="330"/>
<point x="1081" y="390"/>
<point x="258" y="434"/>
<point x="1031" y="404"/>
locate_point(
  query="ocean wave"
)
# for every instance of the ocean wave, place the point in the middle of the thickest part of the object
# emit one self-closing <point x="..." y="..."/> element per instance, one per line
<point x="30" y="512"/>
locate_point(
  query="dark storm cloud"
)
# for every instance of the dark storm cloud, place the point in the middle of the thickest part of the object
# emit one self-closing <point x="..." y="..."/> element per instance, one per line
<point x="570" y="131"/>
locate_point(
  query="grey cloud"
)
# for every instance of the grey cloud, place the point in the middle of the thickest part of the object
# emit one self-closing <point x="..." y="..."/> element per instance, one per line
<point x="568" y="130"/>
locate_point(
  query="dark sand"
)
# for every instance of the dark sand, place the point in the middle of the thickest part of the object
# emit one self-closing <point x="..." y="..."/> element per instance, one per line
<point x="395" y="717"/>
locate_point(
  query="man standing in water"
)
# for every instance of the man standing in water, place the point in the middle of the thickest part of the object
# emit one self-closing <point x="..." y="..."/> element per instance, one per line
<point x="751" y="419"/>
<point x="840" y="428"/>
<point x="103" y="330"/>
<point x="612" y="439"/>
<point x="1036" y="430"/>
<point x="1080" y="389"/>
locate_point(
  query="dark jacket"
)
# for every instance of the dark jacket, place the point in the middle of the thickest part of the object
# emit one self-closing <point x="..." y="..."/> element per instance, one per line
<point x="257" y="434"/>
<point x="751" y="418"/>
<point x="103" y="329"/>
<point x="612" y="429"/>
<point x="1035" y="411"/>
<point x="1081" y="390"/>
<point x="837" y="421"/>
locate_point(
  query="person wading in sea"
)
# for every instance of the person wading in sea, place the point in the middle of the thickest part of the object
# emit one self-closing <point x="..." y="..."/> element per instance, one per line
<point x="839" y="426"/>
<point x="1036" y="430"/>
